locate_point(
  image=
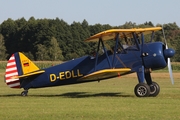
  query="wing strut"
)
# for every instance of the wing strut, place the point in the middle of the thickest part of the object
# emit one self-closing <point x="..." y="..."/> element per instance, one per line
<point x="117" y="35"/>
<point x="97" y="55"/>
<point x="152" y="36"/>
<point x="105" y="51"/>
<point x="136" y="40"/>
<point x="106" y="54"/>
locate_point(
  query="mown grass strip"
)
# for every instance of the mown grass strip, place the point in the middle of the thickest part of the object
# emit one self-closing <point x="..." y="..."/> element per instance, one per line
<point x="113" y="99"/>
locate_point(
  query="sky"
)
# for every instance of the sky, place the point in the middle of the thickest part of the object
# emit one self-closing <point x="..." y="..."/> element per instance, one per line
<point x="112" y="12"/>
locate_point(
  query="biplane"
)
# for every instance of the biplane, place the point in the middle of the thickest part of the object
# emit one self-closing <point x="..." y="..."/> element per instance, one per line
<point x="128" y="53"/>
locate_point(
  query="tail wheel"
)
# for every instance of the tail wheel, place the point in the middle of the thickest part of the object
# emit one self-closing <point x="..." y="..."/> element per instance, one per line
<point x="142" y="90"/>
<point x="154" y="89"/>
<point x="24" y="93"/>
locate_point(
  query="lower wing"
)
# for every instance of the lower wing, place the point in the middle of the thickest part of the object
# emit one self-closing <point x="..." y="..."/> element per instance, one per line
<point x="106" y="73"/>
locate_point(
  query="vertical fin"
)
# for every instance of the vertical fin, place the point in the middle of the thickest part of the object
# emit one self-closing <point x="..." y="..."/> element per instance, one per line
<point x="26" y="64"/>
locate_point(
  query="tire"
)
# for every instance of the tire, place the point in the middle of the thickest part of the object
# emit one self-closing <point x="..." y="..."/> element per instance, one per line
<point x="24" y="93"/>
<point x="142" y="90"/>
<point x="154" y="89"/>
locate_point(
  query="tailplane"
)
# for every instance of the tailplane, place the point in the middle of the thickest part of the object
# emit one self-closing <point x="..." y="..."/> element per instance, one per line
<point x="18" y="65"/>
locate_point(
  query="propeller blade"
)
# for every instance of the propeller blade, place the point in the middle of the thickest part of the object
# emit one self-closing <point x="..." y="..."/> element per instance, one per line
<point x="170" y="71"/>
<point x="168" y="59"/>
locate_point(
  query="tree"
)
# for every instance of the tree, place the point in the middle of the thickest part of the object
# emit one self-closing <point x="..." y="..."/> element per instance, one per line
<point x="177" y="49"/>
<point x="85" y="28"/>
<point x="9" y="30"/>
<point x="55" y="39"/>
<point x="42" y="53"/>
<point x="2" y="48"/>
<point x="49" y="50"/>
<point x="55" y="52"/>
<point x="150" y="24"/>
<point x="129" y="25"/>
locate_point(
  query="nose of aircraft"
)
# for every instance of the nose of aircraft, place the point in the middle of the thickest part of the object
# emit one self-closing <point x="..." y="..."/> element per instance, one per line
<point x="168" y="53"/>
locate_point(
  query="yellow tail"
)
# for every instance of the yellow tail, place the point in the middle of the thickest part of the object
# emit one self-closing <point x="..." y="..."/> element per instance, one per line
<point x="27" y="65"/>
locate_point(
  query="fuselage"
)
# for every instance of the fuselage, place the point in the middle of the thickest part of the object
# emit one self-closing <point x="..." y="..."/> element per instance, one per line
<point x="151" y="55"/>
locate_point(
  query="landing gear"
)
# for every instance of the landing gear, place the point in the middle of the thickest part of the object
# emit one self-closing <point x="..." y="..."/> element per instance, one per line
<point x="155" y="89"/>
<point x="149" y="88"/>
<point x="24" y="93"/>
<point x="142" y="90"/>
<point x="145" y="90"/>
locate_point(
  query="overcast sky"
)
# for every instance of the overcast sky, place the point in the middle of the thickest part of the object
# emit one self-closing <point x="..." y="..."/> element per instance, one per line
<point x="112" y="12"/>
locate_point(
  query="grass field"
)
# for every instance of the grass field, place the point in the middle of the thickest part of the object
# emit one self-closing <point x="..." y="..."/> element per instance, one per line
<point x="107" y="100"/>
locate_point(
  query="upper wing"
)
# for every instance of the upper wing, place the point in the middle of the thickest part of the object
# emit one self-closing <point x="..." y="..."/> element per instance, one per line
<point x="110" y="34"/>
<point x="106" y="73"/>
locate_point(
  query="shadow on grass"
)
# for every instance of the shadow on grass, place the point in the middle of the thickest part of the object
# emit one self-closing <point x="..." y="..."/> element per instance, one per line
<point x="10" y="95"/>
<point x="85" y="94"/>
<point x="75" y="95"/>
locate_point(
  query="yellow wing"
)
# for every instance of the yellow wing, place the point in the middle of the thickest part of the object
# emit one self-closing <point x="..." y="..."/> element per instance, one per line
<point x="110" y="34"/>
<point x="106" y="73"/>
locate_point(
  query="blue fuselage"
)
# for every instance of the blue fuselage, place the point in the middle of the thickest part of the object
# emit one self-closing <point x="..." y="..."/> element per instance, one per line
<point x="150" y="55"/>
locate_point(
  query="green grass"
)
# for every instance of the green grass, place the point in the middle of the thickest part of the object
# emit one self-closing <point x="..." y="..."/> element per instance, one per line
<point x="107" y="100"/>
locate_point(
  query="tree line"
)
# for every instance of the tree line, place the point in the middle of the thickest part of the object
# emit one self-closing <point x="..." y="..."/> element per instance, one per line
<point x="55" y="39"/>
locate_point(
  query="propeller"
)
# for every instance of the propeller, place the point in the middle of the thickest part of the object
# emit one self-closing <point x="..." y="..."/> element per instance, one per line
<point x="168" y="53"/>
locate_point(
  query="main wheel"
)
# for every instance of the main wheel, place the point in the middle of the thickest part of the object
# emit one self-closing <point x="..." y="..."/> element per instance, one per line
<point x="154" y="89"/>
<point x="24" y="93"/>
<point x="142" y="90"/>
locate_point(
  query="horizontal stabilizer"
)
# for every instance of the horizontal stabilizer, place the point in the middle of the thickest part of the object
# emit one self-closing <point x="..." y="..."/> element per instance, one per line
<point x="106" y="73"/>
<point x="30" y="74"/>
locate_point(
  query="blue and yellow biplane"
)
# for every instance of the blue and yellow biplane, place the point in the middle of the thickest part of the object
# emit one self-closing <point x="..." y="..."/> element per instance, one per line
<point x="130" y="53"/>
